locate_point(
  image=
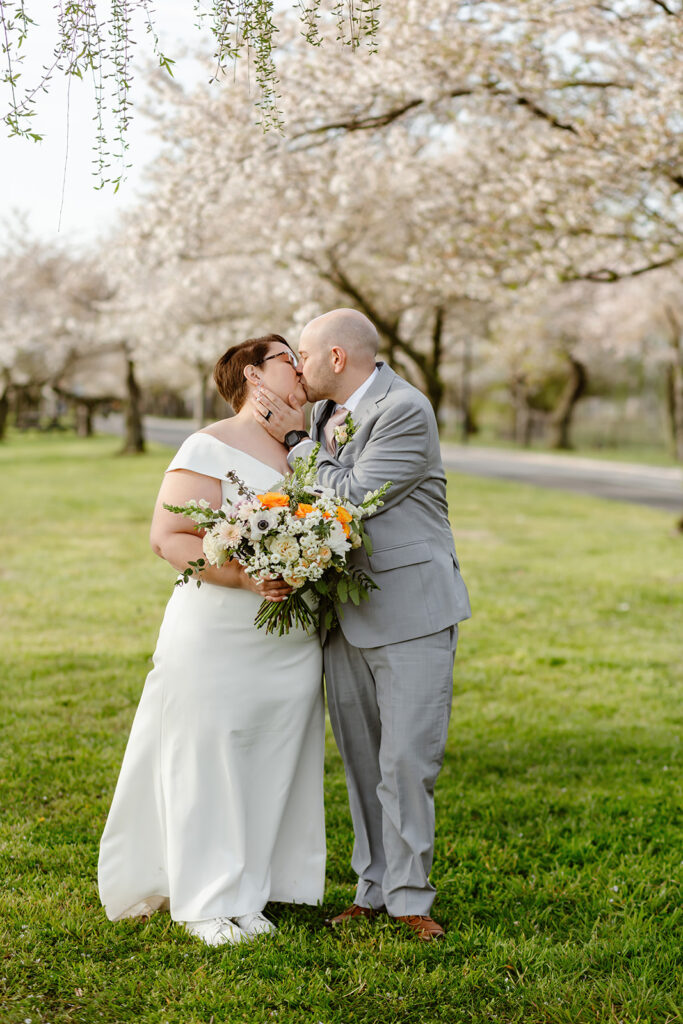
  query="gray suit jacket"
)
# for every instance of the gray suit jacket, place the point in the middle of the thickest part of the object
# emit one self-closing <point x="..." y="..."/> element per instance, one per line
<point x="413" y="561"/>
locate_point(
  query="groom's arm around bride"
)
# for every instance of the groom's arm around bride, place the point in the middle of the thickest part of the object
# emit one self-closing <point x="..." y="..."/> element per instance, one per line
<point x="389" y="666"/>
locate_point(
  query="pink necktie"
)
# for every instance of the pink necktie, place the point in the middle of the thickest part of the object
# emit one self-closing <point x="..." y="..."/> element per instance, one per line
<point x="335" y="420"/>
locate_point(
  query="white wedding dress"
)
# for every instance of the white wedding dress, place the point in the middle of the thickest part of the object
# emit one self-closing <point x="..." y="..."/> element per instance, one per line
<point x="219" y="803"/>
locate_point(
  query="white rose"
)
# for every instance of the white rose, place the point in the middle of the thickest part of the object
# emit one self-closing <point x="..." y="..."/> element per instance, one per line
<point x="214" y="549"/>
<point x="294" y="581"/>
<point x="286" y="548"/>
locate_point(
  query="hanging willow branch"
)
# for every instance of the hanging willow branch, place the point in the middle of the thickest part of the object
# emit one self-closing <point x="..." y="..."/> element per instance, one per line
<point x="95" y="39"/>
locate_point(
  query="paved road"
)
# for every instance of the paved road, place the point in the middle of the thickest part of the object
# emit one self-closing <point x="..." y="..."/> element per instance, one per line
<point x="658" y="487"/>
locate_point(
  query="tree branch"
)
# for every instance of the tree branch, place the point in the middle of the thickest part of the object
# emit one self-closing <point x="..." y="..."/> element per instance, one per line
<point x="371" y="121"/>
<point x="607" y="276"/>
<point x="666" y="8"/>
<point x="589" y="84"/>
<point x="355" y="124"/>
<point x="388" y="327"/>
<point x="524" y="101"/>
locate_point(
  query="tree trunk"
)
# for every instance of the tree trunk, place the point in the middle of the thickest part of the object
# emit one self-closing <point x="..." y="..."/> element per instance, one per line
<point x="435" y="385"/>
<point x="84" y="414"/>
<point x="21" y="411"/>
<point x="675" y="389"/>
<point x="521" y="412"/>
<point x="435" y="391"/>
<point x="4" y="412"/>
<point x="201" y="405"/>
<point x="134" y="440"/>
<point x="561" y="419"/>
<point x="467" y="423"/>
<point x="391" y="353"/>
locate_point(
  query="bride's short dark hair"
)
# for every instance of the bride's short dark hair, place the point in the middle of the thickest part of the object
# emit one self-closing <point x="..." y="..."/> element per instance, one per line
<point x="228" y="373"/>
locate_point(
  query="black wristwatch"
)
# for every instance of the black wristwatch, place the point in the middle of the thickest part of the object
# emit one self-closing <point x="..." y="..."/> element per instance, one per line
<point x="292" y="438"/>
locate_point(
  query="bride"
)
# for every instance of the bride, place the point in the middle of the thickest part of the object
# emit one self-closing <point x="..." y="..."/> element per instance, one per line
<point x="219" y="804"/>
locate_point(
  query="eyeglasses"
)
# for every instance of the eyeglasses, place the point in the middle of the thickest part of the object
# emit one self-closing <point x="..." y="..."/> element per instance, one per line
<point x="289" y="356"/>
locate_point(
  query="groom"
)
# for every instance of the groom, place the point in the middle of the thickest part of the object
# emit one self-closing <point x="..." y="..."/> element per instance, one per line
<point x="389" y="665"/>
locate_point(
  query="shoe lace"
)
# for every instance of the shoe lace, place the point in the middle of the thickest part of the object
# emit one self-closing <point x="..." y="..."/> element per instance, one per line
<point x="225" y="923"/>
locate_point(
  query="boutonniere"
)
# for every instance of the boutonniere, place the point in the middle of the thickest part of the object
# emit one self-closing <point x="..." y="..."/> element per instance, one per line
<point x="345" y="431"/>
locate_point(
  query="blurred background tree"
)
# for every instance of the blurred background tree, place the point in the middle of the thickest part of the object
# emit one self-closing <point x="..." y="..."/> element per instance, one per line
<point x="500" y="188"/>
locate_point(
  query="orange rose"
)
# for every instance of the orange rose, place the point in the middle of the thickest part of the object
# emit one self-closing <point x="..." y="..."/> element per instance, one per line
<point x="303" y="510"/>
<point x="273" y="499"/>
<point x="343" y="516"/>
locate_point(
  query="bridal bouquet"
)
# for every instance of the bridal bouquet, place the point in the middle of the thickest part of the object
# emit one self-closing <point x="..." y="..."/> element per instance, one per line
<point x="301" y="532"/>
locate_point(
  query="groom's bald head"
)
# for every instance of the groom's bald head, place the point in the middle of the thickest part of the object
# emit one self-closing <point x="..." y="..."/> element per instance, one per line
<point x="348" y="329"/>
<point x="337" y="351"/>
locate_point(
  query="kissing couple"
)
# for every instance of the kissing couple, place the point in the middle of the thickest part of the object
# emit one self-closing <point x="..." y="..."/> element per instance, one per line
<point x="219" y="809"/>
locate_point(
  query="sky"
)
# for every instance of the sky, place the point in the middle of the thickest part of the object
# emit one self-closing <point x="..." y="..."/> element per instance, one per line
<point x="31" y="174"/>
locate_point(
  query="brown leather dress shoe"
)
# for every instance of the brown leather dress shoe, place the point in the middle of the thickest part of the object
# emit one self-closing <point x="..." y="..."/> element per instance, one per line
<point x="425" y="927"/>
<point x="352" y="913"/>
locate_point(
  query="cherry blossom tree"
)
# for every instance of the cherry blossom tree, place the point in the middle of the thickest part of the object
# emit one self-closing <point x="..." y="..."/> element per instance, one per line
<point x="354" y="223"/>
<point x="548" y="357"/>
<point x="55" y="338"/>
<point x="584" y="164"/>
<point x="487" y="155"/>
<point x="643" y="321"/>
<point x="500" y="143"/>
<point x="39" y="336"/>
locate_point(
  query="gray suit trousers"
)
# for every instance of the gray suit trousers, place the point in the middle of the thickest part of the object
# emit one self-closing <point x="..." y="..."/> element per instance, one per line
<point x="389" y="707"/>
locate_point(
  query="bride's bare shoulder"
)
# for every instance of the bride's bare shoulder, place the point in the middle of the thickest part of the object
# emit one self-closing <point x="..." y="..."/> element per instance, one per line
<point x="223" y="430"/>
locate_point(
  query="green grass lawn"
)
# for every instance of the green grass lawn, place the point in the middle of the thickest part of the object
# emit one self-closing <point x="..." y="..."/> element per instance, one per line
<point x="558" y="856"/>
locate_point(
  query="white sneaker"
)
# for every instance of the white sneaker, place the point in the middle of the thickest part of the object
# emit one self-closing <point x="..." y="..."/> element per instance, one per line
<point x="255" y="924"/>
<point x="217" y="931"/>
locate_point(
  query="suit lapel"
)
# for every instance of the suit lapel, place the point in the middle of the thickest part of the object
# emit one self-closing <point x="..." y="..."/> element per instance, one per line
<point x="321" y="414"/>
<point x="375" y="393"/>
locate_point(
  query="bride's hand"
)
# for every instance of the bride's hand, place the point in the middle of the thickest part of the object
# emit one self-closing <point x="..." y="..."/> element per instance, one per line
<point x="276" y="416"/>
<point x="272" y="590"/>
